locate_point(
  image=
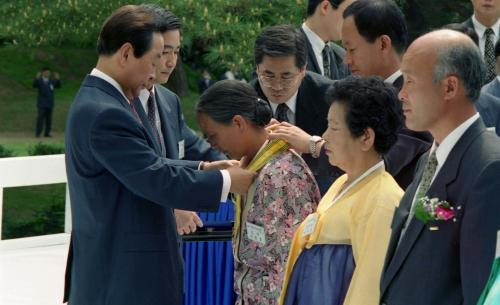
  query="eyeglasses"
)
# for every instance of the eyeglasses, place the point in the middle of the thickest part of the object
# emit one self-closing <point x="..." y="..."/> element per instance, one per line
<point x="284" y="82"/>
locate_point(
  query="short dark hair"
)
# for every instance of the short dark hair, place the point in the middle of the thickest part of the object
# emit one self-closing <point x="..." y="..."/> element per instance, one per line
<point x="279" y="41"/>
<point x="313" y="4"/>
<point x="165" y="20"/>
<point x="459" y="27"/>
<point x="374" y="18"/>
<point x="45" y="68"/>
<point x="497" y="48"/>
<point x="130" y="23"/>
<point x="227" y="98"/>
<point x="369" y="103"/>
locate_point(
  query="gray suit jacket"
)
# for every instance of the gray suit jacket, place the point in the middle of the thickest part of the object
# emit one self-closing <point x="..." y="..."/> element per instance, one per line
<point x="448" y="262"/>
<point x="488" y="104"/>
<point x="175" y="129"/>
<point x="124" y="244"/>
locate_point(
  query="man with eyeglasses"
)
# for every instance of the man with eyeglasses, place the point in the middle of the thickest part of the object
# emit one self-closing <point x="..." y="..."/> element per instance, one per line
<point x="321" y="27"/>
<point x="296" y="96"/>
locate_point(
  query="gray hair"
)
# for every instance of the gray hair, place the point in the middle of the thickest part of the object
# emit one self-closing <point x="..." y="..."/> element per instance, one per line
<point x="463" y="60"/>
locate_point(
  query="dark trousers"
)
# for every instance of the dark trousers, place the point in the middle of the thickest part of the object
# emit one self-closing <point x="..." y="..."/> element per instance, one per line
<point x="44" y="115"/>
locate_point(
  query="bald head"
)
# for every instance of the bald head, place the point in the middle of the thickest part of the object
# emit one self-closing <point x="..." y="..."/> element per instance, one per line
<point x="450" y="52"/>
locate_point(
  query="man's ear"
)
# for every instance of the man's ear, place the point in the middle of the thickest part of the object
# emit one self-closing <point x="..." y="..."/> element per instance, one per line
<point x="124" y="53"/>
<point x="385" y="43"/>
<point x="450" y="86"/>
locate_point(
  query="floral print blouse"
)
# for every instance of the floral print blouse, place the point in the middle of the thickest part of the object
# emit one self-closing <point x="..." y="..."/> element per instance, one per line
<point x="283" y="194"/>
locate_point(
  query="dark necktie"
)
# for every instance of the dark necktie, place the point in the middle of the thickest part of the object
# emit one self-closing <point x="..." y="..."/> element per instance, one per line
<point x="282" y="113"/>
<point x="326" y="61"/>
<point x="489" y="54"/>
<point x="152" y="120"/>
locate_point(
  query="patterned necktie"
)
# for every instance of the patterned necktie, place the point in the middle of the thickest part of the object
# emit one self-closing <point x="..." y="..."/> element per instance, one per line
<point x="326" y="61"/>
<point x="425" y="183"/>
<point x="489" y="54"/>
<point x="282" y="113"/>
<point x="428" y="174"/>
<point x="152" y="120"/>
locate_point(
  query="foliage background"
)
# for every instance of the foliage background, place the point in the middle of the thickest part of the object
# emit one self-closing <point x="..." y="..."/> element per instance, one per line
<point x="217" y="33"/>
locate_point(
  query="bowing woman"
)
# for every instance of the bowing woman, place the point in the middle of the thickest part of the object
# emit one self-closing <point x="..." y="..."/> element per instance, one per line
<point x="233" y="118"/>
<point x="337" y="254"/>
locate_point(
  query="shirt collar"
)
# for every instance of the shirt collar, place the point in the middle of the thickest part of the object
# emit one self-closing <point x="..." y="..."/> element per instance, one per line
<point x="317" y="43"/>
<point x="291" y="103"/>
<point x="144" y="97"/>
<point x="444" y="149"/>
<point x="480" y="28"/>
<point x="98" y="73"/>
<point x="391" y="79"/>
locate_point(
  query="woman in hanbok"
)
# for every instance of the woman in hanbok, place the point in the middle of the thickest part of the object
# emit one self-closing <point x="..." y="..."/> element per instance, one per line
<point x="233" y="118"/>
<point x="338" y="252"/>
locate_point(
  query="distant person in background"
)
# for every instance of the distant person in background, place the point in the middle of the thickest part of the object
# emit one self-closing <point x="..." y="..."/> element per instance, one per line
<point x="486" y="23"/>
<point x="45" y="100"/>
<point x="205" y="81"/>
<point x="322" y="26"/>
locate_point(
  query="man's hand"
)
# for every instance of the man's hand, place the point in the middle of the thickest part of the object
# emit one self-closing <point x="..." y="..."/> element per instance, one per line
<point x="38" y="74"/>
<point x="222" y="164"/>
<point x="56" y="75"/>
<point x="241" y="179"/>
<point x="187" y="221"/>
<point x="298" y="139"/>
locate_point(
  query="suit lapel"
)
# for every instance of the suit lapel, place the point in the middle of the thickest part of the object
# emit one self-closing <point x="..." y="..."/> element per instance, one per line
<point x="167" y="126"/>
<point x="311" y="55"/>
<point x="446" y="175"/>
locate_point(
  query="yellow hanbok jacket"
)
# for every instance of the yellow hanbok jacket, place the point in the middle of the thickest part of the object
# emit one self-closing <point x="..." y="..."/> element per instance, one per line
<point x="361" y="218"/>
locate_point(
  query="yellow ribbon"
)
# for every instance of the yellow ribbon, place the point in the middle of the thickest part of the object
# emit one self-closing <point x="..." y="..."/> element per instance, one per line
<point x="271" y="149"/>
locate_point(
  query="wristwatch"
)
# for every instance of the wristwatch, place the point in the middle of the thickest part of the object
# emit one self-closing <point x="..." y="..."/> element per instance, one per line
<point x="313" y="146"/>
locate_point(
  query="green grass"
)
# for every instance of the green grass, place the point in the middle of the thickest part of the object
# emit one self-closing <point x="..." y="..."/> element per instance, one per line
<point x="18" y="67"/>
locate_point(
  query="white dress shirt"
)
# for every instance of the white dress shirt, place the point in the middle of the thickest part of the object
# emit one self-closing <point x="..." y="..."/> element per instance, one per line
<point x="480" y="29"/>
<point x="317" y="44"/>
<point x="391" y="79"/>
<point x="292" y="107"/>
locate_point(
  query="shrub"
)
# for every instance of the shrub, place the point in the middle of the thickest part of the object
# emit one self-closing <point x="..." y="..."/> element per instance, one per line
<point x="5" y="153"/>
<point x="41" y="149"/>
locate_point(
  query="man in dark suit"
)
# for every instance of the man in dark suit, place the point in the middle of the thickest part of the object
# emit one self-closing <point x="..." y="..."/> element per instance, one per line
<point x="124" y="246"/>
<point x="444" y="257"/>
<point x="161" y="113"/>
<point x="322" y="28"/>
<point x="205" y="81"/>
<point x="375" y="37"/>
<point x="486" y="23"/>
<point x="295" y="95"/>
<point x="488" y="104"/>
<point x="45" y="99"/>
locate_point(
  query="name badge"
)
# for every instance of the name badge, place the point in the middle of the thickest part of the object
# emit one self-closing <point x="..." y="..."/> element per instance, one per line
<point x="256" y="233"/>
<point x="310" y="225"/>
<point x="181" y="149"/>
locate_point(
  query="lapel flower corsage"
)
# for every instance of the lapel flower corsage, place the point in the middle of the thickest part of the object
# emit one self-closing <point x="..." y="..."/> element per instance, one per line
<point x="427" y="209"/>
